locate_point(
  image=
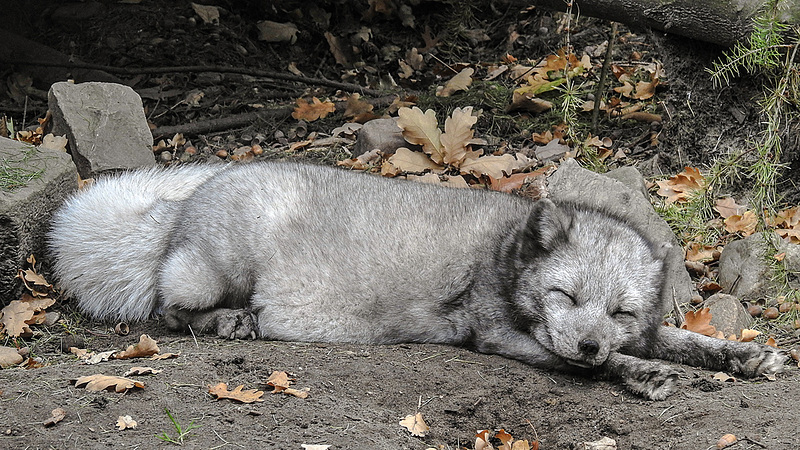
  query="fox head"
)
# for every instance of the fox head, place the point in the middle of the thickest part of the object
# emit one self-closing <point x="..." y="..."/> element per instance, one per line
<point x="587" y="283"/>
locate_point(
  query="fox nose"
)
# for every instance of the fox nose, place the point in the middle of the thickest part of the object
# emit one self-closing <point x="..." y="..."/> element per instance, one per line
<point x="589" y="347"/>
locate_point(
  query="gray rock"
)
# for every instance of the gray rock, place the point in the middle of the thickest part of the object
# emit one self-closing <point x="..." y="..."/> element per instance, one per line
<point x="728" y="314"/>
<point x="743" y="268"/>
<point x="105" y="126"/>
<point x="575" y="184"/>
<point x="25" y="211"/>
<point x="383" y="134"/>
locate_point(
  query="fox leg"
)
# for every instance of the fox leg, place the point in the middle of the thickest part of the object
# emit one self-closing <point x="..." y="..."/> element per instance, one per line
<point x="682" y="346"/>
<point x="196" y="297"/>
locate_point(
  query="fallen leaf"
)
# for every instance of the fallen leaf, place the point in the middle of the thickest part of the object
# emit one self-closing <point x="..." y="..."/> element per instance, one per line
<point x="99" y="382"/>
<point x="748" y="335"/>
<point x="125" y="422"/>
<point x="416" y="425"/>
<point x="357" y="107"/>
<point x="724" y="377"/>
<point x="699" y="252"/>
<point x="522" y="101"/>
<point x="313" y="110"/>
<point x="278" y="380"/>
<point x="421" y="129"/>
<point x="164" y="356"/>
<point x="209" y="14"/>
<point x="493" y="166"/>
<point x="365" y="161"/>
<point x="221" y="391"/>
<point x="681" y="186"/>
<point x="142" y="371"/>
<point x="727" y="207"/>
<point x="409" y="161"/>
<point x="269" y="31"/>
<point x="145" y="347"/>
<point x="315" y="447"/>
<point x="699" y="322"/>
<point x="457" y="135"/>
<point x="460" y="82"/>
<point x="14" y="318"/>
<point x="57" y="415"/>
<point x="744" y="224"/>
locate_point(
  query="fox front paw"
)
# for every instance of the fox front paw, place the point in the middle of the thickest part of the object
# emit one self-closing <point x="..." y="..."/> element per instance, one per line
<point x="652" y="380"/>
<point x="758" y="360"/>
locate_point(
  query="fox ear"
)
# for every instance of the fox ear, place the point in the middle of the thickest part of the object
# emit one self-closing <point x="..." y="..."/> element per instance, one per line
<point x="548" y="226"/>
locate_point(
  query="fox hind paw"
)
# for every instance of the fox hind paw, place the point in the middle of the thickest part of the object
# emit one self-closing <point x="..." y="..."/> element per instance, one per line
<point x="654" y="382"/>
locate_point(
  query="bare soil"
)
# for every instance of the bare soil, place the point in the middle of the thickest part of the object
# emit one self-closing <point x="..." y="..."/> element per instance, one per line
<point x="358" y="393"/>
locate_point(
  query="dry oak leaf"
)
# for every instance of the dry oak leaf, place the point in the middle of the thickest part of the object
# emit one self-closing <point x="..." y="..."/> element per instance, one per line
<point x="422" y="129"/>
<point x="365" y="161"/>
<point x="405" y="160"/>
<point x="57" y="415"/>
<point x="416" y="425"/>
<point x="522" y="101"/>
<point x="699" y="322"/>
<point x="745" y="224"/>
<point x="313" y="110"/>
<point x="460" y="82"/>
<point x="280" y="382"/>
<point x="493" y="166"/>
<point x="164" y="356"/>
<point x="145" y="347"/>
<point x="141" y="371"/>
<point x="357" y="107"/>
<point x="748" y="335"/>
<point x="457" y="135"/>
<point x="727" y="207"/>
<point x="699" y="252"/>
<point x="221" y="391"/>
<point x="100" y="382"/>
<point x="681" y="186"/>
<point x="315" y="446"/>
<point x="125" y="422"/>
<point x="14" y="318"/>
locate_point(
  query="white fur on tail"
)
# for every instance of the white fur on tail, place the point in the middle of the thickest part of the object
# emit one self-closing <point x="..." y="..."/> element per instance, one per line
<point x="121" y="225"/>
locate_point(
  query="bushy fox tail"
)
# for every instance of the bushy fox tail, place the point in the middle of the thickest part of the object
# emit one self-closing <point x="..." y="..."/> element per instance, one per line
<point x="108" y="241"/>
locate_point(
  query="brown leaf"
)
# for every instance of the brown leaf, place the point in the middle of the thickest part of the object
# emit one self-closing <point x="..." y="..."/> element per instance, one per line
<point x="416" y="425"/>
<point x="99" y="382"/>
<point x="727" y="207"/>
<point x="164" y="356"/>
<point x="145" y="347"/>
<point x="125" y="422"/>
<point x="142" y="371"/>
<point x="699" y="252"/>
<point x="422" y="129"/>
<point x="310" y="111"/>
<point x="460" y="82"/>
<point x="221" y="391"/>
<point x="493" y="166"/>
<point x="699" y="322"/>
<point x="748" y="335"/>
<point x="14" y="318"/>
<point x="528" y="102"/>
<point x="681" y="186"/>
<point x="409" y="161"/>
<point x="745" y="224"/>
<point x="364" y="161"/>
<point x="279" y="380"/>
<point x="57" y="415"/>
<point x="356" y="106"/>
<point x="457" y="135"/>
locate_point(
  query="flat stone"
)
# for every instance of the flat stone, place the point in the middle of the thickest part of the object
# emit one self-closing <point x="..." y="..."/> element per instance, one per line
<point x="104" y="124"/>
<point x="728" y="314"/>
<point x="383" y="134"/>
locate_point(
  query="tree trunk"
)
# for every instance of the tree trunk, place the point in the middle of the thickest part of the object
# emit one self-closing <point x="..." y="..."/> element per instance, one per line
<point x="722" y="22"/>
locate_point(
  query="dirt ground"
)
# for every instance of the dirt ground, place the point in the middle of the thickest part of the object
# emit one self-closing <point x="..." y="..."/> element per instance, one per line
<point x="358" y="394"/>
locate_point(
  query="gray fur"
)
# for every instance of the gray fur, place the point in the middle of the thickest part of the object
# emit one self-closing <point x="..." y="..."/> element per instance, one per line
<point x="305" y="253"/>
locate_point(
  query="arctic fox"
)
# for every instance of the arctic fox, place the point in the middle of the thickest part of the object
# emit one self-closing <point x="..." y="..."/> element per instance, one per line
<point x="305" y="253"/>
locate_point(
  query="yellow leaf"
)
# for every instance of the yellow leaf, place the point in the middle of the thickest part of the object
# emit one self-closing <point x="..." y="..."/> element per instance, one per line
<point x="422" y="129"/>
<point x="416" y="425"/>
